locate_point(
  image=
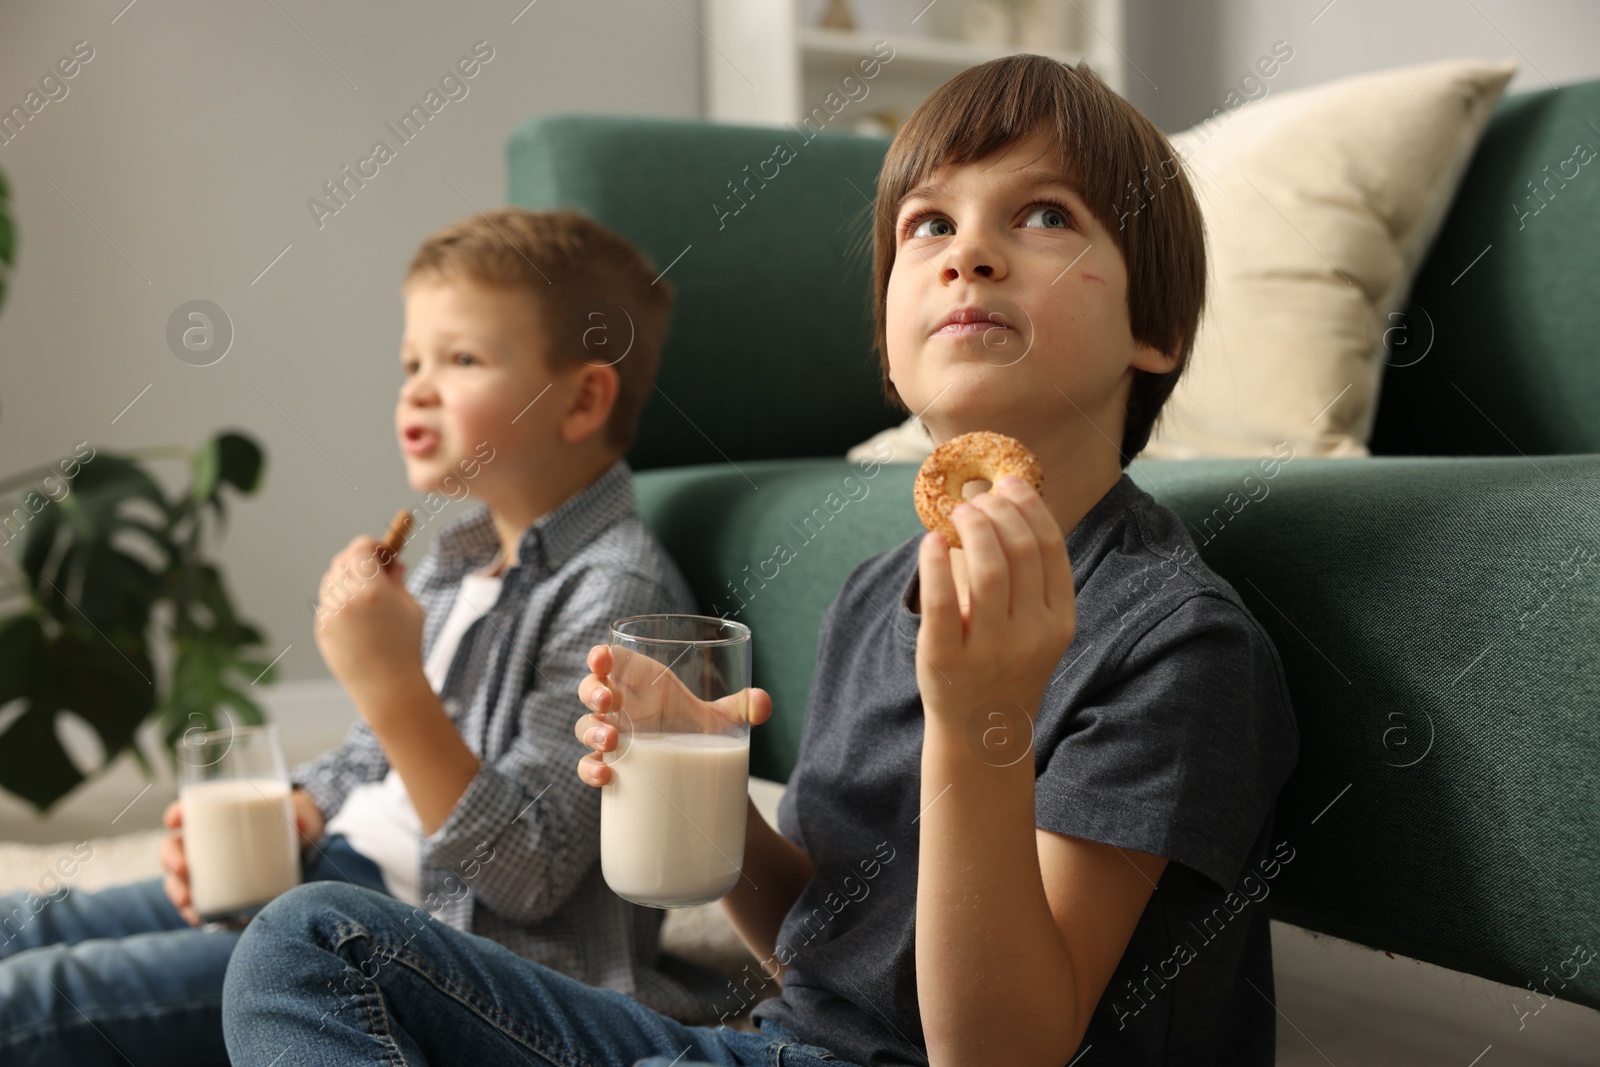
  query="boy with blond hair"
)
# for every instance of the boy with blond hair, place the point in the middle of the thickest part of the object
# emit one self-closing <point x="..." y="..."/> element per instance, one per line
<point x="1059" y="778"/>
<point x="531" y="343"/>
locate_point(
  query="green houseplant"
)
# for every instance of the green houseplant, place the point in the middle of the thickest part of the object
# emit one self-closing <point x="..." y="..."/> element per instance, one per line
<point x="102" y="569"/>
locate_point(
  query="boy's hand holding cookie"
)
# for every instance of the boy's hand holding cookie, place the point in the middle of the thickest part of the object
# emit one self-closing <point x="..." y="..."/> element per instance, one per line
<point x="369" y="627"/>
<point x="1022" y="611"/>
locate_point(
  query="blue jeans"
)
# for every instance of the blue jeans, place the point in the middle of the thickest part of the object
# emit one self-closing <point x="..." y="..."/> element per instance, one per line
<point x="333" y="974"/>
<point x="118" y="977"/>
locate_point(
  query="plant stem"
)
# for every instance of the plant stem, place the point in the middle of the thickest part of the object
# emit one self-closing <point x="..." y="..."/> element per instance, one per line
<point x="148" y="452"/>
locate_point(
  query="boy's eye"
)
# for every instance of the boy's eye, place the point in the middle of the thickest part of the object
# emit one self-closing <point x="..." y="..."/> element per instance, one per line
<point x="1050" y="215"/>
<point x="465" y="357"/>
<point x="921" y="226"/>
<point x="1053" y="216"/>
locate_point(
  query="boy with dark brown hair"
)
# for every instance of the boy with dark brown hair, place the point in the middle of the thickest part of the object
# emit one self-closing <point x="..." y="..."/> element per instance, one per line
<point x="1062" y="796"/>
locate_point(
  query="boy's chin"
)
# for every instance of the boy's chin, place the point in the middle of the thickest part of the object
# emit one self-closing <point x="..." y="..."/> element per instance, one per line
<point x="424" y="478"/>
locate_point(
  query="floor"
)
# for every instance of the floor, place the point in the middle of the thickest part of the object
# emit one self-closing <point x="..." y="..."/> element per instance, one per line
<point x="1344" y="1004"/>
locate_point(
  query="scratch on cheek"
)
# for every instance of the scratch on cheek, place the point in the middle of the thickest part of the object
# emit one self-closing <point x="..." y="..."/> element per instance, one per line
<point x="1092" y="277"/>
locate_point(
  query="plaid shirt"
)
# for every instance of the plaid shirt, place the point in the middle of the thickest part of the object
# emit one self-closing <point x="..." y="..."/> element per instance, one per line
<point x="518" y="859"/>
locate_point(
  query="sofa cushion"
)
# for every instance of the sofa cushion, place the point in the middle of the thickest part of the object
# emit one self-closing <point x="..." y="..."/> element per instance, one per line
<point x="1503" y="352"/>
<point x="1320" y="204"/>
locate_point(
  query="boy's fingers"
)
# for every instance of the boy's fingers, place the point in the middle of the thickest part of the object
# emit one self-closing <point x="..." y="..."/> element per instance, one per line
<point x="592" y="771"/>
<point x="603" y="741"/>
<point x="1021" y="547"/>
<point x="941" y="614"/>
<point x="988" y="579"/>
<point x="1057" y="578"/>
<point x="177" y="891"/>
<point x="753" y="706"/>
<point x="760" y="706"/>
<point x="600" y="659"/>
<point x="172" y="858"/>
<point x="596" y="695"/>
<point x="172" y="818"/>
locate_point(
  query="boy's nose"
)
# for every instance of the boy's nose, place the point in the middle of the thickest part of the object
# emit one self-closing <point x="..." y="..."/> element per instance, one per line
<point x="417" y="390"/>
<point x="971" y="254"/>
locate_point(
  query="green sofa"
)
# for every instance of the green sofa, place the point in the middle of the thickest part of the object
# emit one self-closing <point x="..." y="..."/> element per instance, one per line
<point x="1437" y="606"/>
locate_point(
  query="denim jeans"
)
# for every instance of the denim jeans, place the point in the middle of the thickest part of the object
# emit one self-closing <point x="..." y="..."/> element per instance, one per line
<point x="334" y="974"/>
<point x="118" y="976"/>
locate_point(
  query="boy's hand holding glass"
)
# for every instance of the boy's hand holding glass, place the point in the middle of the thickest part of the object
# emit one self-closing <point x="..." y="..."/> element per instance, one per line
<point x="1022" y="610"/>
<point x="619" y="670"/>
<point x="175" y="864"/>
<point x="671" y="733"/>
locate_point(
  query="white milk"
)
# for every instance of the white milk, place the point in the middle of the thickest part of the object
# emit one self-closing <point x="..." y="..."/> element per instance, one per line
<point x="672" y="818"/>
<point x="240" y="841"/>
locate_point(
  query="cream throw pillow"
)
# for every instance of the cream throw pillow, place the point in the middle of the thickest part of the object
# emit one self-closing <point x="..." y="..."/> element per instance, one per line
<point x="1319" y="204"/>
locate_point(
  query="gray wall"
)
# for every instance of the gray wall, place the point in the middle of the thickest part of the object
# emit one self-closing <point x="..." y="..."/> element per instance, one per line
<point x="178" y="167"/>
<point x="179" y="164"/>
<point x="1193" y="52"/>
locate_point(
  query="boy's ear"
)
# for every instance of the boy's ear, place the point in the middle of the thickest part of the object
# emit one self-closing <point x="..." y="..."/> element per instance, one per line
<point x="1148" y="357"/>
<point x="592" y="402"/>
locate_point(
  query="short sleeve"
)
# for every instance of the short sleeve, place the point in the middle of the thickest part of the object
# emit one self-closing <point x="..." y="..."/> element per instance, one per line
<point x="1182" y="753"/>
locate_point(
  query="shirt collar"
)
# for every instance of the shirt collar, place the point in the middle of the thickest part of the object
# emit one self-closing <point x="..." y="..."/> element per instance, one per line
<point x="470" y="542"/>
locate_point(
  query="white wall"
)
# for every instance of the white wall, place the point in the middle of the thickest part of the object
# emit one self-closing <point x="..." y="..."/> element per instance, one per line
<point x="1193" y="52"/>
<point x="178" y="167"/>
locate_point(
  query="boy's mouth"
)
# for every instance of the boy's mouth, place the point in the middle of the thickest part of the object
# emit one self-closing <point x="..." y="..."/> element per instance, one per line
<point x="972" y="320"/>
<point x="419" y="440"/>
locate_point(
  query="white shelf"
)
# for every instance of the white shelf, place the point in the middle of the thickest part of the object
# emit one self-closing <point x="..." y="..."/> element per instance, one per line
<point x="930" y="53"/>
<point x="767" y="63"/>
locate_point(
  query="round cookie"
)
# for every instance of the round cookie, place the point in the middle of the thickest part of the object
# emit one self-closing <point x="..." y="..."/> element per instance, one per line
<point x="980" y="454"/>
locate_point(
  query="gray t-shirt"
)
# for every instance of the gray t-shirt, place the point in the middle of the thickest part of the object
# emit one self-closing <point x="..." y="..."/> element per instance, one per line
<point x="1167" y="728"/>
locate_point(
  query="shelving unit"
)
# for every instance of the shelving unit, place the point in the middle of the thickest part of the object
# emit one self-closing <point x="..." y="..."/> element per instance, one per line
<point x="770" y="62"/>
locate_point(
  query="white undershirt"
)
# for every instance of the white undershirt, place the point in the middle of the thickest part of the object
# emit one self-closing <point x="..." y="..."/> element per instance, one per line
<point x="378" y="818"/>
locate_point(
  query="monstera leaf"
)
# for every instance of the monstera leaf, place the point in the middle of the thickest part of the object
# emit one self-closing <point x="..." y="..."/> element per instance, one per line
<point x="96" y="562"/>
<point x="76" y="552"/>
<point x="67" y="672"/>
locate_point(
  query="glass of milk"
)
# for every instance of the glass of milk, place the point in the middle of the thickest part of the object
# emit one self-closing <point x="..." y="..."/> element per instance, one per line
<point x="672" y="816"/>
<point x="239" y="834"/>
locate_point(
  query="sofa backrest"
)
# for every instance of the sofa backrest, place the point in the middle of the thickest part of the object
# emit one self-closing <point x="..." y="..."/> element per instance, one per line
<point x="766" y="236"/>
<point x="1507" y="296"/>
